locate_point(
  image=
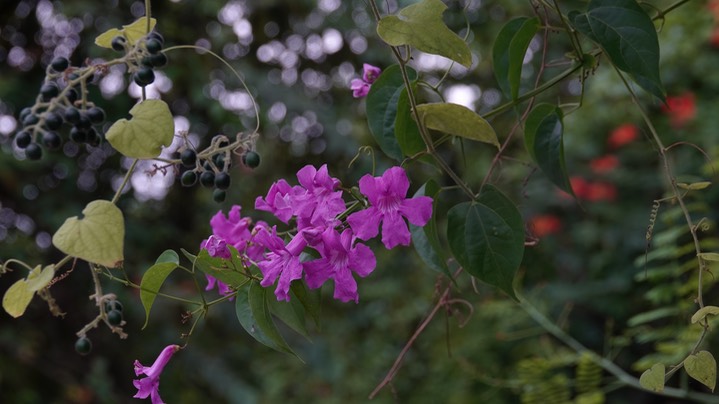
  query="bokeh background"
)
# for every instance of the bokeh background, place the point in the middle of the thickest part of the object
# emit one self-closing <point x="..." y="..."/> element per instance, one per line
<point x="587" y="270"/>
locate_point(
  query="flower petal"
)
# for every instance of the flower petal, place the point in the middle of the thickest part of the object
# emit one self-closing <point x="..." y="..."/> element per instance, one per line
<point x="362" y="260"/>
<point x="365" y="223"/>
<point x="396" y="181"/>
<point x="417" y="210"/>
<point x="370" y="73"/>
<point x="317" y="272"/>
<point x="394" y="231"/>
<point x="345" y="286"/>
<point x="291" y="271"/>
<point x="368" y="187"/>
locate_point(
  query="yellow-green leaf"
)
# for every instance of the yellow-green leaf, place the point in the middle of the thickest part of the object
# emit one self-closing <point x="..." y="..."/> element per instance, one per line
<point x="703" y="312"/>
<point x="132" y="32"/>
<point x="653" y="379"/>
<point x="38" y="279"/>
<point x="695" y="186"/>
<point x="17" y="298"/>
<point x="420" y="25"/>
<point x="143" y="136"/>
<point x="96" y="236"/>
<point x="457" y="120"/>
<point x="709" y="256"/>
<point x="702" y="367"/>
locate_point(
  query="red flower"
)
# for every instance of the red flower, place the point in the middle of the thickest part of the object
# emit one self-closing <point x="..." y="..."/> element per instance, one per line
<point x="681" y="109"/>
<point x="544" y="225"/>
<point x="622" y="135"/>
<point x="601" y="191"/>
<point x="714" y="38"/>
<point x="604" y="164"/>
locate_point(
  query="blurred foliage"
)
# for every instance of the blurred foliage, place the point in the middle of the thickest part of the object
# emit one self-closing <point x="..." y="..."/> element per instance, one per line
<point x="589" y="272"/>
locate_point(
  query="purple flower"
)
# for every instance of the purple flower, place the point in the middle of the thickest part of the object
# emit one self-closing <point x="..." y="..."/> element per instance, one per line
<point x="216" y="247"/>
<point x="360" y="88"/>
<point x="339" y="260"/>
<point x="319" y="203"/>
<point x="150" y="385"/>
<point x="278" y="201"/>
<point x="386" y="195"/>
<point x="282" y="261"/>
<point x="233" y="229"/>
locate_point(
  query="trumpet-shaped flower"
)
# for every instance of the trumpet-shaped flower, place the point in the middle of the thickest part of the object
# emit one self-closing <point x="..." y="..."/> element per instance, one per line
<point x="360" y="87"/>
<point x="281" y="261"/>
<point x="389" y="205"/>
<point x="149" y="386"/>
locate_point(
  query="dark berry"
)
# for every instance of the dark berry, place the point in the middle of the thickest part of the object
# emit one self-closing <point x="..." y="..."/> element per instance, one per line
<point x="59" y="64"/>
<point x="84" y="122"/>
<point x="31" y="119"/>
<point x="23" y="139"/>
<point x="222" y="180"/>
<point x="72" y="115"/>
<point x="188" y="179"/>
<point x="207" y="166"/>
<point x="33" y="151"/>
<point x="83" y="346"/>
<point x="113" y="305"/>
<point x="114" y="317"/>
<point x="78" y="135"/>
<point x="48" y="91"/>
<point x="207" y="179"/>
<point x="219" y="195"/>
<point x="118" y="43"/>
<point x="251" y="159"/>
<point x="144" y="76"/>
<point x="96" y="115"/>
<point x="72" y="95"/>
<point x="157" y="60"/>
<point x="219" y="160"/>
<point x="93" y="138"/>
<point x="53" y="120"/>
<point x="223" y="142"/>
<point x="188" y="158"/>
<point x="153" y="45"/>
<point x="156" y="36"/>
<point x="25" y="112"/>
<point x="51" y="140"/>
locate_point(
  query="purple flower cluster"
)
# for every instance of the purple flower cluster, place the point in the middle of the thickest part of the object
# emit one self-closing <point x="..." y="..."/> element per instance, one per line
<point x="360" y="87"/>
<point x="316" y="205"/>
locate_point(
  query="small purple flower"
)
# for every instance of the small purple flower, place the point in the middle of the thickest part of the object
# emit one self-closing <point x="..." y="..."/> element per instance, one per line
<point x="233" y="229"/>
<point x="387" y="196"/>
<point x="319" y="204"/>
<point x="150" y="385"/>
<point x="278" y="201"/>
<point x="282" y="261"/>
<point x="360" y="87"/>
<point x="339" y="259"/>
<point x="216" y="247"/>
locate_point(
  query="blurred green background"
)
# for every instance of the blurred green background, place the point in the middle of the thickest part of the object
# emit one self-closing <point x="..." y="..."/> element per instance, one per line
<point x="586" y="271"/>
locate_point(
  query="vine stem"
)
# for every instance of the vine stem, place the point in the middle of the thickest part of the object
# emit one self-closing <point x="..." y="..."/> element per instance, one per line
<point x="136" y="286"/>
<point x="125" y="180"/>
<point x="400" y="358"/>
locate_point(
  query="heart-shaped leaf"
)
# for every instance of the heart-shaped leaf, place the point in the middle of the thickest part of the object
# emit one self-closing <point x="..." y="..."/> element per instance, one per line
<point x="702" y="367"/>
<point x="39" y="279"/>
<point x="626" y="33"/>
<point x="420" y="26"/>
<point x="425" y="239"/>
<point x="509" y="50"/>
<point x="143" y="136"/>
<point x="132" y="32"/>
<point x="544" y="139"/>
<point x="487" y="238"/>
<point x="653" y="379"/>
<point x="97" y="236"/>
<point x="457" y="120"/>
<point x="17" y="298"/>
<point x="703" y="312"/>
<point x="405" y="128"/>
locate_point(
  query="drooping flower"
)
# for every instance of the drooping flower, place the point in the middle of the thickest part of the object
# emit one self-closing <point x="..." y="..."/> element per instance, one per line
<point x="150" y="385"/>
<point x="339" y="259"/>
<point x="360" y="87"/>
<point x="388" y="204"/>
<point x="281" y="261"/>
<point x="623" y="134"/>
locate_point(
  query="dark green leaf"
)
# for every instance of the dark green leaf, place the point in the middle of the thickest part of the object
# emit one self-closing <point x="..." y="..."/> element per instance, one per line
<point x="382" y="108"/>
<point x="168" y="256"/>
<point x="221" y="269"/>
<point x="310" y="300"/>
<point x="487" y="238"/>
<point x="543" y="137"/>
<point x="426" y="239"/>
<point x="653" y="379"/>
<point x="151" y="282"/>
<point x="420" y="25"/>
<point x="626" y="33"/>
<point x="457" y="120"/>
<point x="509" y="50"/>
<point x="405" y="128"/>
<point x="291" y="313"/>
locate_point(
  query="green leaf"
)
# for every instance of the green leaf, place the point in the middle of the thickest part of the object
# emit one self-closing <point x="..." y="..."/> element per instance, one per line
<point x="653" y="379"/>
<point x="696" y="186"/>
<point x="132" y="32"/>
<point x="703" y="312"/>
<point x="291" y="313"/>
<point x="222" y="269"/>
<point x="426" y="239"/>
<point x="142" y="137"/>
<point x="168" y="256"/>
<point x="254" y="315"/>
<point x="405" y="128"/>
<point x="17" y="298"/>
<point x="709" y="256"/>
<point x="420" y="25"/>
<point x="38" y="279"/>
<point x="151" y="282"/>
<point x="97" y="236"/>
<point x="457" y="120"/>
<point x="487" y="238"/>
<point x="543" y="137"/>
<point x="702" y="367"/>
<point x="382" y="101"/>
<point x="627" y="35"/>
<point x="310" y="300"/>
<point x="509" y="50"/>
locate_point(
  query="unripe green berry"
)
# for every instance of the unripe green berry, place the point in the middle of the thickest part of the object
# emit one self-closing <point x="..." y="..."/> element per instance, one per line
<point x="83" y="346"/>
<point x="251" y="159"/>
<point x="113" y="305"/>
<point x="114" y="317"/>
<point x="188" y="179"/>
<point x="222" y="180"/>
<point x="219" y="195"/>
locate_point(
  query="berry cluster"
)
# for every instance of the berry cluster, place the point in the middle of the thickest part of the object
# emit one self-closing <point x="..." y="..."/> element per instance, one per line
<point x="113" y="311"/>
<point x="212" y="166"/>
<point x="146" y="55"/>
